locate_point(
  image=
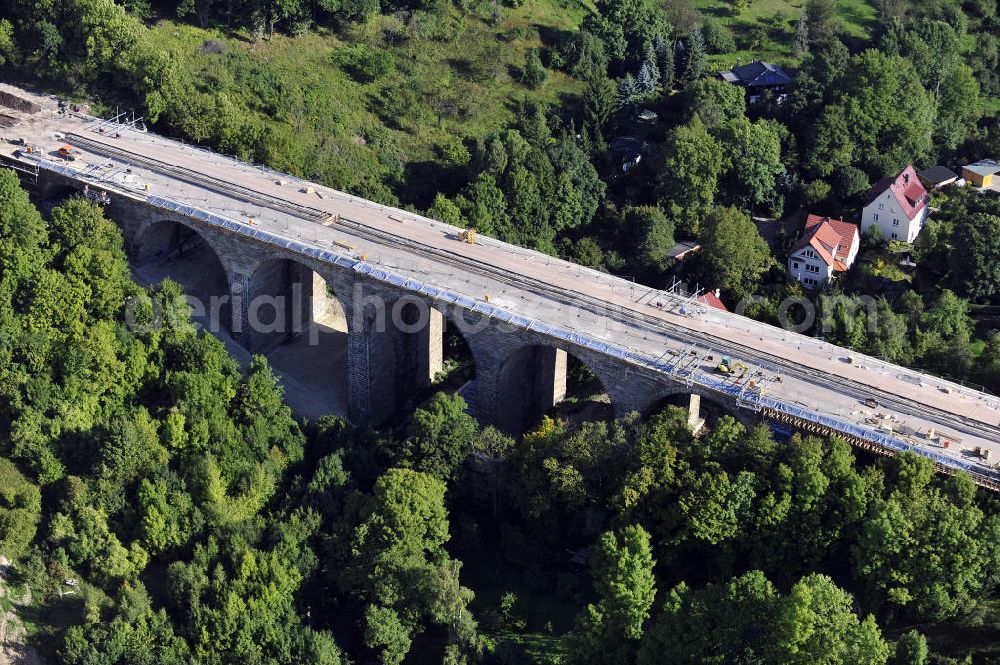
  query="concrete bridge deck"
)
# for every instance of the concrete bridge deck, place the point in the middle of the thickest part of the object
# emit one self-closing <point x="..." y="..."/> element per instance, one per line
<point x="649" y="329"/>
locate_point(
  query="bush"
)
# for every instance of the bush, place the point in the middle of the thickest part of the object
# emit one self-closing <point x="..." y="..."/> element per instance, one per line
<point x="20" y="509"/>
<point x="816" y="192"/>
<point x="454" y="153"/>
<point x="850" y="181"/>
<point x="363" y="63"/>
<point x="213" y="46"/>
<point x="534" y="73"/>
<point x="718" y="38"/>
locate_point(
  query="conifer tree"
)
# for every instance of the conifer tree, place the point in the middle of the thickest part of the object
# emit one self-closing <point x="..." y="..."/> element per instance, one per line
<point x="665" y="59"/>
<point x="694" y="66"/>
<point x="628" y="91"/>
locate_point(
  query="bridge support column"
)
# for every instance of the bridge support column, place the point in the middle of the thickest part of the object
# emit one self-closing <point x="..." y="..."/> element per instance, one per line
<point x="239" y="297"/>
<point x="419" y="348"/>
<point x="695" y="421"/>
<point x="513" y="395"/>
<point x="393" y="354"/>
<point x="279" y="304"/>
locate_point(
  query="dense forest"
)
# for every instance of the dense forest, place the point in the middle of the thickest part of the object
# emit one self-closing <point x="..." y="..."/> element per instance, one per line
<point x="161" y="504"/>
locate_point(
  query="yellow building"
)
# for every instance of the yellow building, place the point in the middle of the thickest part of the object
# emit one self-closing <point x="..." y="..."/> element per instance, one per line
<point x="981" y="173"/>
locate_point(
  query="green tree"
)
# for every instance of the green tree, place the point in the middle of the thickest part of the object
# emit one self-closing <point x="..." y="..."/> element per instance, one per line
<point x="816" y="623"/>
<point x="734" y="253"/>
<point x="665" y="59"/>
<point x="911" y="649"/>
<point x="695" y="58"/>
<point x="598" y="105"/>
<point x="850" y="182"/>
<point x="714" y="101"/>
<point x="958" y="107"/>
<point x="747" y="621"/>
<point x="688" y="166"/>
<point x="20" y="510"/>
<point x="975" y="257"/>
<point x="753" y="159"/>
<point x="136" y="634"/>
<point x="484" y="205"/>
<point x="822" y="19"/>
<point x="651" y="234"/>
<point x="609" y="631"/>
<point x="879" y="116"/>
<point x="400" y="570"/>
<point x="444" y="210"/>
<point x="940" y="521"/>
<point x="440" y="436"/>
<point x="534" y="73"/>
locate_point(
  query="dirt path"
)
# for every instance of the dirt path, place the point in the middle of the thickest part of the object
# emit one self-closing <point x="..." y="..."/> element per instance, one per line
<point x="13" y="649"/>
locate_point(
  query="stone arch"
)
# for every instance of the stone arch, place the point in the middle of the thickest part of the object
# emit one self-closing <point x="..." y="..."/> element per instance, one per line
<point x="702" y="405"/>
<point x="409" y="342"/>
<point x="53" y="193"/>
<point x="287" y="297"/>
<point x="295" y="313"/>
<point x="178" y="250"/>
<point x="533" y="378"/>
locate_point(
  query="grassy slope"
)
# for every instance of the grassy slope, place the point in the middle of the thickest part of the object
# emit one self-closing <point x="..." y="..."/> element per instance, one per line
<point x="858" y="18"/>
<point x="477" y="69"/>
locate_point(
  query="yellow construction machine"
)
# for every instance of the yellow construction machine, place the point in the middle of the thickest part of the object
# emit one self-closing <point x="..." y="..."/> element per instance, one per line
<point x="729" y="366"/>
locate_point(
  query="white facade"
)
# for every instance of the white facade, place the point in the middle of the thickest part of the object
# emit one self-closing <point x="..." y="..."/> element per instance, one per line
<point x="807" y="267"/>
<point x="885" y="212"/>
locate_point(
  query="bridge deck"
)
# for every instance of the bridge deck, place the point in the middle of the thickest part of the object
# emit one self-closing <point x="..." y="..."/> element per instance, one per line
<point x="814" y="375"/>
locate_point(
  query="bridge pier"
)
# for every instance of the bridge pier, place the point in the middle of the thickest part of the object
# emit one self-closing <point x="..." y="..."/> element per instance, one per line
<point x="279" y="304"/>
<point x="394" y="350"/>
<point x="695" y="421"/>
<point x="530" y="382"/>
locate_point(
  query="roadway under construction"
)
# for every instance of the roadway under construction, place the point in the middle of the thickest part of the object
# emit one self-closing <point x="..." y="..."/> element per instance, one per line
<point x="789" y="377"/>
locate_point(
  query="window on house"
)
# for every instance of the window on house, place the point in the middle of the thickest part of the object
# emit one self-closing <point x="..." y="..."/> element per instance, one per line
<point x="895" y="221"/>
<point x="795" y="265"/>
<point x="881" y="206"/>
<point x="893" y="236"/>
<point x="876" y="217"/>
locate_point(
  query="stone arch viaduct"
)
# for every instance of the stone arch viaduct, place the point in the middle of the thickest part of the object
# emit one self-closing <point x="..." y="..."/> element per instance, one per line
<point x="281" y="244"/>
<point x="394" y="330"/>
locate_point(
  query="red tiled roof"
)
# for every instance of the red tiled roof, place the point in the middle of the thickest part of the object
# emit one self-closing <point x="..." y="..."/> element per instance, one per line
<point x="907" y="190"/>
<point x="712" y="300"/>
<point x="827" y="235"/>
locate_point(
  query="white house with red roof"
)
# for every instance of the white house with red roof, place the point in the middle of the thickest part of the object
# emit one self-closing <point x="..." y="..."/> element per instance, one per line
<point x="827" y="247"/>
<point x="898" y="206"/>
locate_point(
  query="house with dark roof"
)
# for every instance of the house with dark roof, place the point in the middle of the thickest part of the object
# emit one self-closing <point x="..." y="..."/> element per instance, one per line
<point x="937" y="177"/>
<point x="757" y="78"/>
<point x="627" y="150"/>
<point x="898" y="206"/>
<point x="827" y="247"/>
